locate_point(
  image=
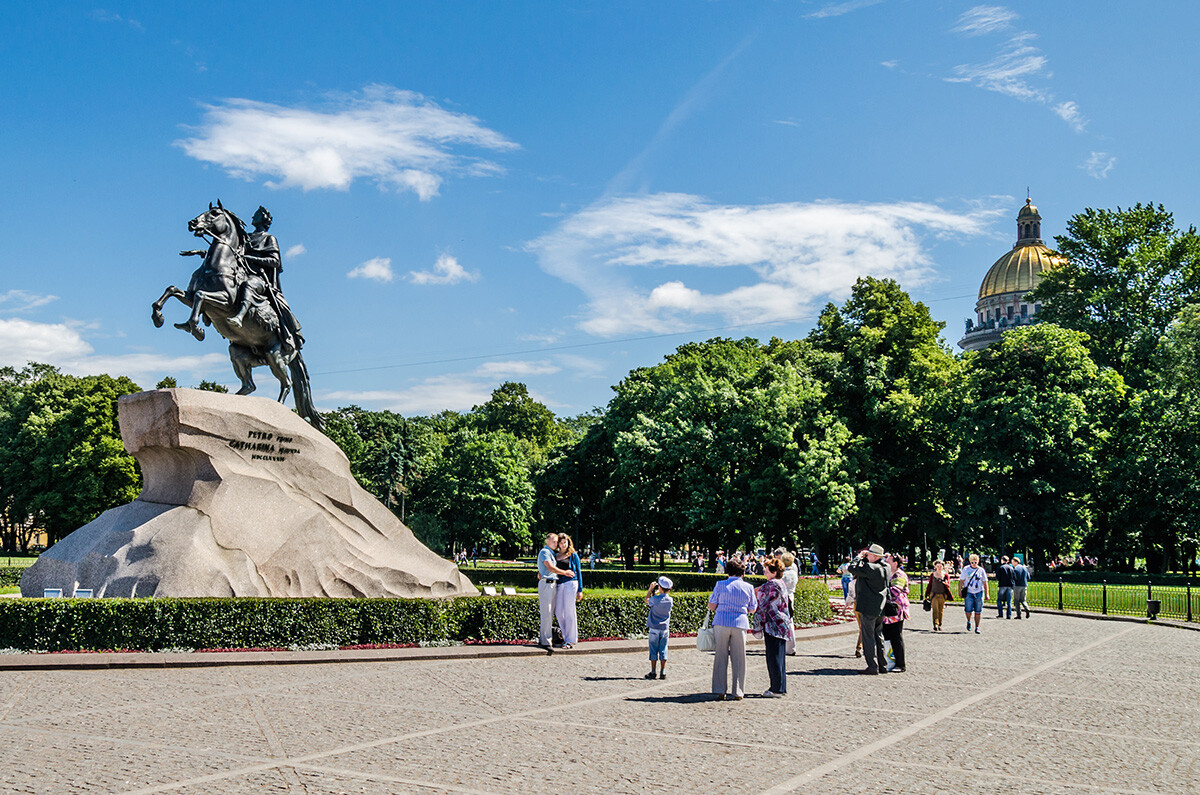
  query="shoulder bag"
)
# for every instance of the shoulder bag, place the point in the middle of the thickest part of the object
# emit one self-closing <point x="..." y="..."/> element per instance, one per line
<point x="706" y="636"/>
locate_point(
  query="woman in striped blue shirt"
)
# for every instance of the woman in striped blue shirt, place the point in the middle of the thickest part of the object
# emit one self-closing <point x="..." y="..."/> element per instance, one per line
<point x="732" y="602"/>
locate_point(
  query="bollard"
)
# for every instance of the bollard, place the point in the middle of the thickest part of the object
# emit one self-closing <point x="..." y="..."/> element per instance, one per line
<point x="1060" y="607"/>
<point x="1104" y="597"/>
<point x="1189" y="598"/>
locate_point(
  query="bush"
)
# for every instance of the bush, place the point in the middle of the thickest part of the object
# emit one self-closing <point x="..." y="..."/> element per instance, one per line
<point x="230" y="623"/>
<point x="10" y="575"/>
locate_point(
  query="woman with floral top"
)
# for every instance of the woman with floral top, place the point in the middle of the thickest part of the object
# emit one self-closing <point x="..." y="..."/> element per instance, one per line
<point x="773" y="623"/>
<point x="893" y="626"/>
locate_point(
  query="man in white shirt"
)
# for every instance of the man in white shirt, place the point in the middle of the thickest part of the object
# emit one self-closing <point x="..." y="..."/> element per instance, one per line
<point x="548" y="576"/>
<point x="975" y="590"/>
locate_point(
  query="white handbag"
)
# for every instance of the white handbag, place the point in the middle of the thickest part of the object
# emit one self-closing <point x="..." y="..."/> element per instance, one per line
<point x="706" y="636"/>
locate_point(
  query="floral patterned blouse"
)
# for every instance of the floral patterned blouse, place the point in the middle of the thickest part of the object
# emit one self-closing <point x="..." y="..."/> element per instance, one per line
<point x="772" y="614"/>
<point x="898" y="593"/>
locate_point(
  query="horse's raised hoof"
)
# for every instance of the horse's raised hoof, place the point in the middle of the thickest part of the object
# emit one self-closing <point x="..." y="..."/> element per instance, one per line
<point x="157" y="317"/>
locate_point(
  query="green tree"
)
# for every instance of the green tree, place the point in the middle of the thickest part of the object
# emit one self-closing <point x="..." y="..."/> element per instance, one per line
<point x="1034" y="413"/>
<point x="887" y="373"/>
<point x="477" y="493"/>
<point x="511" y="409"/>
<point x="1127" y="275"/>
<point x="212" y="386"/>
<point x="61" y="458"/>
<point x="168" y="382"/>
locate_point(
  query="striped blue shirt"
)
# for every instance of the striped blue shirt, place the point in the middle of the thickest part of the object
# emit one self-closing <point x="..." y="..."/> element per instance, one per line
<point x="735" y="600"/>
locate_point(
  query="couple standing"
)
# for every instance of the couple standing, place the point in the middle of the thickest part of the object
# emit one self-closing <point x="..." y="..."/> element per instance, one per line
<point x="560" y="587"/>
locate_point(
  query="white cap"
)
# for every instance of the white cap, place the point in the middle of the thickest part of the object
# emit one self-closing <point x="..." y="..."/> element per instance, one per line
<point x="665" y="583"/>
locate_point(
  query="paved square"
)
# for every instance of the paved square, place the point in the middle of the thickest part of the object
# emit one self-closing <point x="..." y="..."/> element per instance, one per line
<point x="1052" y="704"/>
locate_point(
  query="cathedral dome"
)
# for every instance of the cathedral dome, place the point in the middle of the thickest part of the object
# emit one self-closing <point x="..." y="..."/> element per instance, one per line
<point x="1018" y="271"/>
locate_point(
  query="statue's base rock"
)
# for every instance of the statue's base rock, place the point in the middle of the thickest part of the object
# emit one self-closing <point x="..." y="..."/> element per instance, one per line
<point x="241" y="497"/>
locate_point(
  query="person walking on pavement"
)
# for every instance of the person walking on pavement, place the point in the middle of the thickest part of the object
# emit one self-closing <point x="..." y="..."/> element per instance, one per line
<point x="548" y="576"/>
<point x="974" y="584"/>
<point x="1004" y="589"/>
<point x="871" y="577"/>
<point x="1021" y="578"/>
<point x="938" y="591"/>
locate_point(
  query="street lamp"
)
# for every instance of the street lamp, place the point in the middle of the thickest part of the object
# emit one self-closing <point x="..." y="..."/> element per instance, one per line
<point x="1003" y="527"/>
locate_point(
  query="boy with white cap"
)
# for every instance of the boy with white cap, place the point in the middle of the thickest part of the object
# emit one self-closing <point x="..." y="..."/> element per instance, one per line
<point x="658" y="624"/>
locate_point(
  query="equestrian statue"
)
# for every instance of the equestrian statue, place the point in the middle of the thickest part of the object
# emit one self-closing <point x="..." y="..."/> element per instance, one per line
<point x="236" y="290"/>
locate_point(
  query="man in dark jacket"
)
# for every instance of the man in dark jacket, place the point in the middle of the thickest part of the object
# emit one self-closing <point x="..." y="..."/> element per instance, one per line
<point x="870" y="593"/>
<point x="1021" y="577"/>
<point x="1004" y="589"/>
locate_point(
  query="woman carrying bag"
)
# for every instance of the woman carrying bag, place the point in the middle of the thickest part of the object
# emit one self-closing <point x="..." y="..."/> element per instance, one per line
<point x="731" y="603"/>
<point x="937" y="593"/>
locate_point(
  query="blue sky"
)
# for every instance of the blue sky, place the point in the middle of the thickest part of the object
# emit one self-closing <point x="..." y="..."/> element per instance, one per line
<point x="558" y="192"/>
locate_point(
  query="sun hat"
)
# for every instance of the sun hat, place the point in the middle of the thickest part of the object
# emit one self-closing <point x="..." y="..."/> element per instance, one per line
<point x="875" y="549"/>
<point x="665" y="583"/>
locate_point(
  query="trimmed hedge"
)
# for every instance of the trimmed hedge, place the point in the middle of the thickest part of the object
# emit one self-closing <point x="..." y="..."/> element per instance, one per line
<point x="11" y="575"/>
<point x="230" y="623"/>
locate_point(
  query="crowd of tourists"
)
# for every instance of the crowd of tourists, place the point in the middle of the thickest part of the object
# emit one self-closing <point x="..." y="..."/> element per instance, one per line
<point x="874" y="584"/>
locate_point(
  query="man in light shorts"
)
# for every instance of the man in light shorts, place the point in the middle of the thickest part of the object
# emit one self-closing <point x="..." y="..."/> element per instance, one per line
<point x="975" y="587"/>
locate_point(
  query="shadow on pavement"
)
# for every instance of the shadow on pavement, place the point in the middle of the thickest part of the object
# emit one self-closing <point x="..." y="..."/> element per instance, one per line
<point x="689" y="698"/>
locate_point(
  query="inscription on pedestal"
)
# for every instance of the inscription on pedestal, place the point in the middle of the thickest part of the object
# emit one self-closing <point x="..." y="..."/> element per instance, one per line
<point x="265" y="446"/>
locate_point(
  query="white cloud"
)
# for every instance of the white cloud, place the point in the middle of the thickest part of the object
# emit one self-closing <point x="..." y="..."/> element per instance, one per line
<point x="452" y="391"/>
<point x="889" y="64"/>
<point x="838" y="9"/>
<point x="777" y="261"/>
<point x="516" y="369"/>
<point x="103" y="15"/>
<point x="398" y="138"/>
<point x="1069" y="112"/>
<point x="295" y="251"/>
<point x="1099" y="164"/>
<point x="1009" y="72"/>
<point x="445" y="271"/>
<point x="377" y="269"/>
<point x="13" y="301"/>
<point x="60" y="344"/>
<point x="1017" y="70"/>
<point x="984" y="19"/>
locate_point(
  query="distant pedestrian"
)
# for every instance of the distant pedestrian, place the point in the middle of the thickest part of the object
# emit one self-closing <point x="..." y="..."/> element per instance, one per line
<point x="857" y="617"/>
<point x="548" y="577"/>
<point x="732" y="601"/>
<point x="974" y="584"/>
<point x="1021" y="578"/>
<point x="569" y="591"/>
<point x="773" y="624"/>
<point x="1004" y="589"/>
<point x="720" y="563"/>
<point x="937" y="592"/>
<point x="815" y="562"/>
<point x="790" y="577"/>
<point x="592" y="559"/>
<point x="658" y="624"/>
<point x="871" y="578"/>
<point x="844" y="570"/>
<point x="893" y="626"/>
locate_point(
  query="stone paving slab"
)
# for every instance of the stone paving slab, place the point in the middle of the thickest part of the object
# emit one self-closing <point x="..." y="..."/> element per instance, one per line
<point x="1050" y="705"/>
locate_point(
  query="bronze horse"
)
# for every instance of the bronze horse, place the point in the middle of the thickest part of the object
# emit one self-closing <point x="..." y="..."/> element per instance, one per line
<point x="212" y="295"/>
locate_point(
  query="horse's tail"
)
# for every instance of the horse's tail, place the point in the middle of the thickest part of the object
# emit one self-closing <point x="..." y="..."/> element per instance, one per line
<point x="304" y="403"/>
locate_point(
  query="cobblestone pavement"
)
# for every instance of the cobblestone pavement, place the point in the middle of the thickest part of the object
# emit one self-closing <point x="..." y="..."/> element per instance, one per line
<point x="1048" y="705"/>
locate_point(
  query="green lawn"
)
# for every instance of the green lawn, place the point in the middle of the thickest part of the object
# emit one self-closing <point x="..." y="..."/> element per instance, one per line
<point x="17" y="561"/>
<point x="1121" y="600"/>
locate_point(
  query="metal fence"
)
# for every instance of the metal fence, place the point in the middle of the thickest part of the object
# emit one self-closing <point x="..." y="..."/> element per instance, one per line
<point x="1179" y="602"/>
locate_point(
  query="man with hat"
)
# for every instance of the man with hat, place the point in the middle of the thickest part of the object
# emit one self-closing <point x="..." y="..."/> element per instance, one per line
<point x="870" y="589"/>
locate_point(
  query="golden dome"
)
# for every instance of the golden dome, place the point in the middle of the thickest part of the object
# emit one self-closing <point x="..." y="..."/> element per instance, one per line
<point x="1018" y="271"/>
<point x="1030" y="209"/>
